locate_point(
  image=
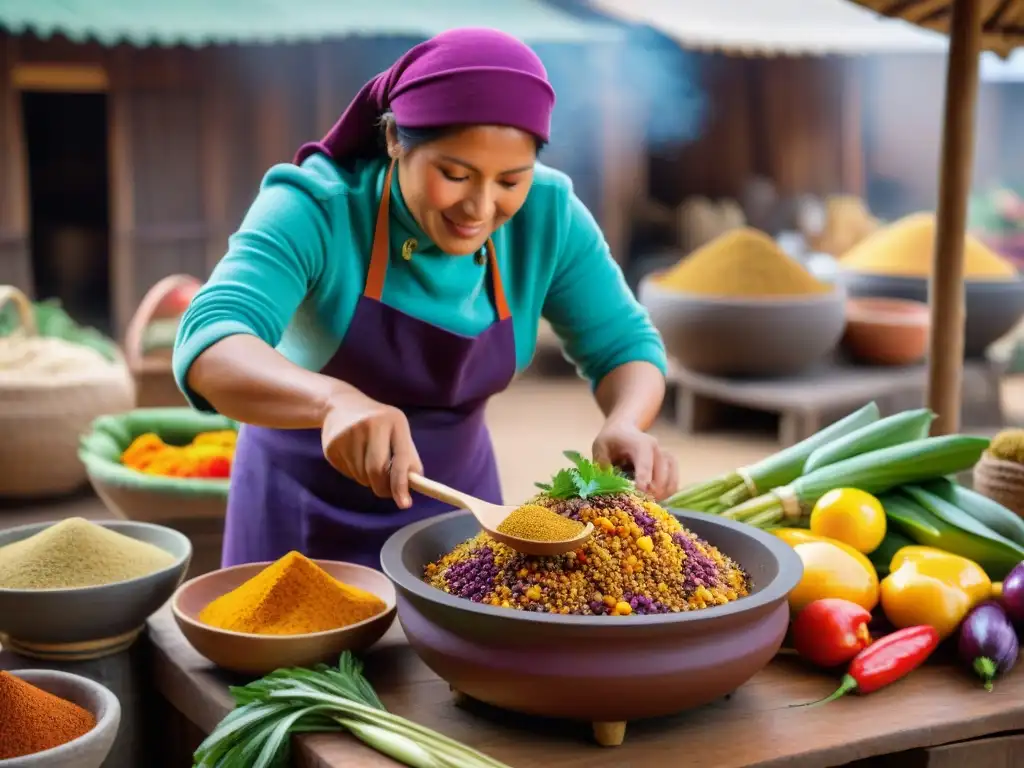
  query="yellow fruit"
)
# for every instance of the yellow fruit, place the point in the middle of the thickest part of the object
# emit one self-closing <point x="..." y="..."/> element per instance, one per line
<point x="794" y="536"/>
<point x="851" y="516"/>
<point x="834" y="570"/>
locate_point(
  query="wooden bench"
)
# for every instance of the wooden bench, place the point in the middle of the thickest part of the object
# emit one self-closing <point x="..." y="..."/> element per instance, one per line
<point x="806" y="403"/>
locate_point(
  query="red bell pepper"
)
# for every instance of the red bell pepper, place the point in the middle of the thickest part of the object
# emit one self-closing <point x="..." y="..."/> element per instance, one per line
<point x="831" y="631"/>
<point x="885" y="661"/>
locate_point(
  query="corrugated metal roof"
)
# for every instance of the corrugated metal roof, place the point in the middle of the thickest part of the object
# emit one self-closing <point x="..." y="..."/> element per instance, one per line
<point x="211" y="22"/>
<point x="770" y="27"/>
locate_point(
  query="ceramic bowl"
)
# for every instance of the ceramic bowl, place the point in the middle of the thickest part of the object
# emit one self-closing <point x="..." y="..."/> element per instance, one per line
<point x="90" y="622"/>
<point x="88" y="751"/>
<point x="601" y="669"/>
<point x="994" y="307"/>
<point x="260" y="654"/>
<point x="745" y="337"/>
<point x="882" y="331"/>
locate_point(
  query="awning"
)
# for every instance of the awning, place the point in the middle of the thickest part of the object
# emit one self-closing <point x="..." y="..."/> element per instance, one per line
<point x="212" y="22"/>
<point x="776" y="27"/>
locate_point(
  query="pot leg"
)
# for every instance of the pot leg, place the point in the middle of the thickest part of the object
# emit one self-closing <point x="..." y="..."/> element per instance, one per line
<point x="610" y="734"/>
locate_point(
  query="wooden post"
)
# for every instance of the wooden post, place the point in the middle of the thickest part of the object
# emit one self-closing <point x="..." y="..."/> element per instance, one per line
<point x="946" y="292"/>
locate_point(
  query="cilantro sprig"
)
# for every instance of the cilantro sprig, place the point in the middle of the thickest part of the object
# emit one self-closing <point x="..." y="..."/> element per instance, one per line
<point x="586" y="479"/>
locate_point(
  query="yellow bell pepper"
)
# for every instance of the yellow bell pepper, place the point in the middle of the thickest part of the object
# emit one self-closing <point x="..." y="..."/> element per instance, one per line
<point x="928" y="586"/>
<point x="794" y="536"/>
<point x="833" y="569"/>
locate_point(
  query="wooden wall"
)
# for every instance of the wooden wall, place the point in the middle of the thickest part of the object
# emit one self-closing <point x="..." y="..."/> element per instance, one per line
<point x="193" y="131"/>
<point x="794" y="120"/>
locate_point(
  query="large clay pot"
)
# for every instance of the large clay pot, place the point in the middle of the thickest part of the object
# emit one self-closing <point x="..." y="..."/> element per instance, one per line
<point x="745" y="336"/>
<point x="600" y="669"/>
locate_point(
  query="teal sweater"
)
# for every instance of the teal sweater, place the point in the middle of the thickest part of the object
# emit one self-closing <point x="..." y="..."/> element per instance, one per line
<point x="297" y="266"/>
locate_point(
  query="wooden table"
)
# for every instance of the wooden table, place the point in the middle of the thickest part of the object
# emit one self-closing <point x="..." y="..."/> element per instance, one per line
<point x="814" y="399"/>
<point x="755" y="728"/>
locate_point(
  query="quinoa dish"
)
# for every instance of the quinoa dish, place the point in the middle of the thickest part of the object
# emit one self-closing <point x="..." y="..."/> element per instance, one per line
<point x="640" y="559"/>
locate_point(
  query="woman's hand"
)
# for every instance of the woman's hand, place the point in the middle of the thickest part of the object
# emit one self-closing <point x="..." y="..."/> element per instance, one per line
<point x="622" y="444"/>
<point x="371" y="443"/>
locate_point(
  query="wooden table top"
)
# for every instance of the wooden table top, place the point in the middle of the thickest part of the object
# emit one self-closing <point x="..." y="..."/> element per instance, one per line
<point x="755" y="728"/>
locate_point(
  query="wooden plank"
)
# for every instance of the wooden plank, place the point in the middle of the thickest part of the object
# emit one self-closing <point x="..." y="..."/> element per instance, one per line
<point x="64" y="78"/>
<point x="755" y="728"/>
<point x="122" y="197"/>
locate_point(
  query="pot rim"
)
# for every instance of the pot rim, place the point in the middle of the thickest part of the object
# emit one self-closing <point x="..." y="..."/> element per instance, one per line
<point x="843" y="274"/>
<point x="789" y="575"/>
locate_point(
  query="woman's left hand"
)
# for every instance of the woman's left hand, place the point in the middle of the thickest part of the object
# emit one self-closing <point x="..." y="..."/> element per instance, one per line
<point x="655" y="471"/>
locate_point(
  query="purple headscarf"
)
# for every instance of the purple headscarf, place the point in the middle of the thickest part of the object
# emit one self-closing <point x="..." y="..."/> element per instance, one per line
<point x="467" y="76"/>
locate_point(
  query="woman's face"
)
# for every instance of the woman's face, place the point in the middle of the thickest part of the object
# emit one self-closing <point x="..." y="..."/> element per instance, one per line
<point x="463" y="186"/>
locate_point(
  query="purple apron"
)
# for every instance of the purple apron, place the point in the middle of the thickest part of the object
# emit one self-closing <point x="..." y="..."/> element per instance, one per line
<point x="286" y="496"/>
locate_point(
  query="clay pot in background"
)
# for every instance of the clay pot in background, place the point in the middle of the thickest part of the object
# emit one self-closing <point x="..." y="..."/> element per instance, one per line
<point x="884" y="331"/>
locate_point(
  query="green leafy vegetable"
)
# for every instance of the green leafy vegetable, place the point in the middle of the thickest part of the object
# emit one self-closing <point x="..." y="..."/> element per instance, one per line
<point x="269" y="711"/>
<point x="586" y="479"/>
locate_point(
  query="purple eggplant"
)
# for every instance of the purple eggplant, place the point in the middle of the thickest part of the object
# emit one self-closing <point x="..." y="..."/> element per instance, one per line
<point x="1013" y="594"/>
<point x="988" y="642"/>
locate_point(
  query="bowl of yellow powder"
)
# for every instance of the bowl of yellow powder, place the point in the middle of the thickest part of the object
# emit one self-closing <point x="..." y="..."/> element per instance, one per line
<point x="896" y="262"/>
<point x="741" y="306"/>
<point x="294" y="612"/>
<point x="78" y="589"/>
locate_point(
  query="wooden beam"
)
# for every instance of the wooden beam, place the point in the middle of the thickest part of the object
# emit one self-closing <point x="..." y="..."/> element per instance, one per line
<point x="946" y="292"/>
<point x="122" y="201"/>
<point x="73" y="78"/>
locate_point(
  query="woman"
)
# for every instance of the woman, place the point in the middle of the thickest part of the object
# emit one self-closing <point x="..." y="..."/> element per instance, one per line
<point x="347" y="329"/>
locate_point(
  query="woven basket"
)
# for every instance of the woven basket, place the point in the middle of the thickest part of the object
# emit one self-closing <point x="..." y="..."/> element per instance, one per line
<point x="194" y="506"/>
<point x="42" y="418"/>
<point x="1001" y="481"/>
<point x="154" y="380"/>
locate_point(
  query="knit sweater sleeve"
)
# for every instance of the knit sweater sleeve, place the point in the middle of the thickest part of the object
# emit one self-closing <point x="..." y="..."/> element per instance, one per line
<point x="271" y="264"/>
<point x="590" y="306"/>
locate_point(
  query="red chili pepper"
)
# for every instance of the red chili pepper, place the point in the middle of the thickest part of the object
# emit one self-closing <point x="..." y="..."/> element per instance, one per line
<point x="831" y="631"/>
<point x="885" y="661"/>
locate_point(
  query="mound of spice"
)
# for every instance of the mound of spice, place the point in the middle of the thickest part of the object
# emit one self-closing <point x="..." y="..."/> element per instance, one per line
<point x="743" y="263"/>
<point x="77" y="553"/>
<point x="905" y="248"/>
<point x="293" y="596"/>
<point x="33" y="720"/>
<point x="534" y="522"/>
<point x="640" y="560"/>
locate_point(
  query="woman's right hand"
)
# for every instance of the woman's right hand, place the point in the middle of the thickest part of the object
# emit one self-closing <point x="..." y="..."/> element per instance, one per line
<point x="371" y="443"/>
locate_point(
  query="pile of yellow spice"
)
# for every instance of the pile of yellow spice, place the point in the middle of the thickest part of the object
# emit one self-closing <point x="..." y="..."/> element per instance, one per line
<point x="743" y="263"/>
<point x="533" y="522"/>
<point x="906" y="248"/>
<point x="293" y="596"/>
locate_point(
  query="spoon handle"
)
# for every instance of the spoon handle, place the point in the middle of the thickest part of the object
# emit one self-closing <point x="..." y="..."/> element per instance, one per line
<point x="440" y="491"/>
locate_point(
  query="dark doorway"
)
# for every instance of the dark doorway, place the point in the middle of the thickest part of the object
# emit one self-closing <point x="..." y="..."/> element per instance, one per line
<point x="66" y="134"/>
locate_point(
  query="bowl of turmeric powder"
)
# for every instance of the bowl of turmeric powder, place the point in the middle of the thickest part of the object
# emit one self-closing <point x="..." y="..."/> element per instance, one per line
<point x="896" y="262"/>
<point x="294" y="612"/>
<point x="741" y="306"/>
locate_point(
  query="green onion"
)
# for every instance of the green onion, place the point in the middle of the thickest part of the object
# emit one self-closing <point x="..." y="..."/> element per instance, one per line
<point x="778" y="469"/>
<point x="874" y="472"/>
<point x="269" y="711"/>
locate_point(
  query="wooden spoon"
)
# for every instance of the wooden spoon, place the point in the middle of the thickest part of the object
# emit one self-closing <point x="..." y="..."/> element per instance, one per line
<point x="490" y="516"/>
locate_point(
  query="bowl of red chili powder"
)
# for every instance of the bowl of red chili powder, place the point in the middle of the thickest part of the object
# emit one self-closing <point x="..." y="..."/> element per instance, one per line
<point x="52" y="719"/>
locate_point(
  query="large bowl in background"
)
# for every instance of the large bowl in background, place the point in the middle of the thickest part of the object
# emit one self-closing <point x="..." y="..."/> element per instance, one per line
<point x="262" y="654"/>
<point x="90" y="622"/>
<point x="600" y="669"/>
<point x="89" y="750"/>
<point x="994" y="307"/>
<point x="721" y="336"/>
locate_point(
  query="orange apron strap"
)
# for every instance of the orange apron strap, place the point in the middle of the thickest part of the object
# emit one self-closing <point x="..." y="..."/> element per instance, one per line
<point x="381" y="242"/>
<point x="381" y="247"/>
<point x="500" y="302"/>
